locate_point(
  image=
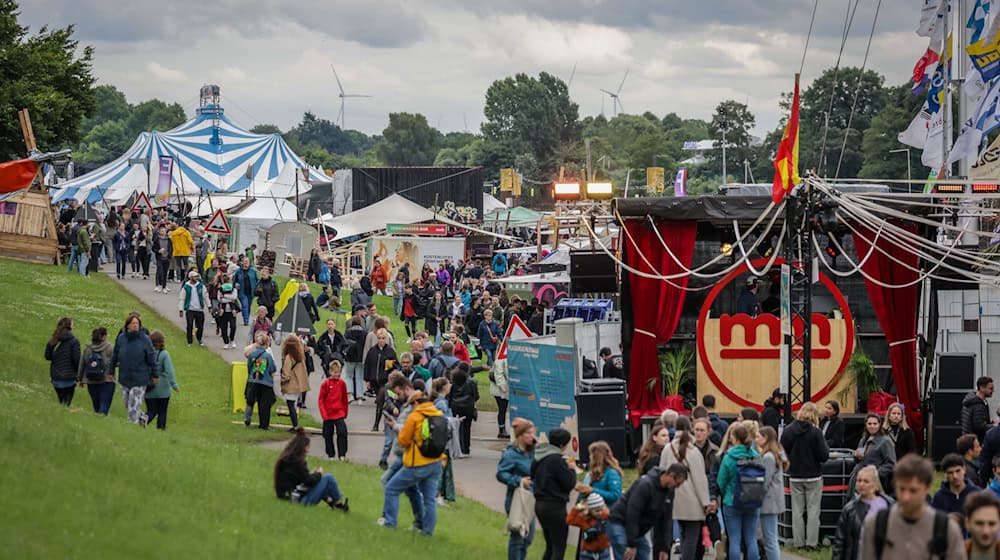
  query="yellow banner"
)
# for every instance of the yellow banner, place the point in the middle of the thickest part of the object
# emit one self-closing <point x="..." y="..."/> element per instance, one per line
<point x="507" y="179"/>
<point x="655" y="178"/>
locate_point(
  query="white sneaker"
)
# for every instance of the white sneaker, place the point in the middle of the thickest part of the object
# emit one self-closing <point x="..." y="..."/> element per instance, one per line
<point x="441" y="502"/>
<point x="157" y="289"/>
<point x="166" y="290"/>
<point x="380" y="522"/>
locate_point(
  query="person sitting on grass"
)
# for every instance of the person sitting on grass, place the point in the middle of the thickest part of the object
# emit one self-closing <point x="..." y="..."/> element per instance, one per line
<point x="294" y="482"/>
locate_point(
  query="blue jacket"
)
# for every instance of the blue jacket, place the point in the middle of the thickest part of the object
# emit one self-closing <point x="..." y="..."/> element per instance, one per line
<point x="514" y="465"/>
<point x="608" y="487"/>
<point x="500" y="263"/>
<point x="267" y="367"/>
<point x="485" y="328"/>
<point x="442" y="404"/>
<point x="241" y="277"/>
<point x="324" y="273"/>
<point x="727" y="470"/>
<point x="135" y="359"/>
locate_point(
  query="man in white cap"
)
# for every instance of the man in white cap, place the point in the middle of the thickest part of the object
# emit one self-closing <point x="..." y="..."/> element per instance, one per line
<point x="748" y="302"/>
<point x="192" y="303"/>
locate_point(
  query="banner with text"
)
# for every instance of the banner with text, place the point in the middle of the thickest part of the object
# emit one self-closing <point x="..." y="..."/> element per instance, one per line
<point x="543" y="388"/>
<point x="392" y="252"/>
<point x="163" y="181"/>
<point x="416" y="229"/>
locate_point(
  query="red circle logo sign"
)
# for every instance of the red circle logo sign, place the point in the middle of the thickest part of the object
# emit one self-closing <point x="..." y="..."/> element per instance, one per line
<point x="766" y="349"/>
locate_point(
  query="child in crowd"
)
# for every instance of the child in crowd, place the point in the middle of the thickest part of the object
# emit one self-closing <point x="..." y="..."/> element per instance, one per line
<point x="158" y="398"/>
<point x="590" y="516"/>
<point x="333" y="408"/>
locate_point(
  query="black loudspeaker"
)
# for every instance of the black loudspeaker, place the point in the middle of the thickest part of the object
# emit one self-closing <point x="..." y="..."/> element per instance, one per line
<point x="601" y="417"/>
<point x="943" y="440"/>
<point x="946" y="406"/>
<point x="956" y="372"/>
<point x="592" y="273"/>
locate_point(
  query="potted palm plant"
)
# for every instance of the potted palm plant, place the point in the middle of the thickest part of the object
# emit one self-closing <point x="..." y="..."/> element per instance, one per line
<point x="675" y="367"/>
<point x="861" y="374"/>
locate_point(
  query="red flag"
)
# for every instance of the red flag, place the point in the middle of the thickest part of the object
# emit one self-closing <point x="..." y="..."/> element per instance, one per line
<point x="786" y="160"/>
<point x="17" y="175"/>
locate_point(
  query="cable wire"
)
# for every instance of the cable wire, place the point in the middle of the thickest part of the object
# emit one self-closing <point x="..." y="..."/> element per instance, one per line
<point x="857" y="89"/>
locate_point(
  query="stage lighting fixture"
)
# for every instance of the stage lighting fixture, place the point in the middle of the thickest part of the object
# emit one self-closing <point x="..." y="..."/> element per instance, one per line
<point x="600" y="190"/>
<point x="566" y="191"/>
<point x="832" y="249"/>
<point x="726" y="249"/>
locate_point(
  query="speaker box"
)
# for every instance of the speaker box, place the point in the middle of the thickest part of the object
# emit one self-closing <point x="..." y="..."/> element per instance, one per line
<point x="592" y="272"/>
<point x="956" y="372"/>
<point x="601" y="417"/>
<point x="943" y="440"/>
<point x="946" y="406"/>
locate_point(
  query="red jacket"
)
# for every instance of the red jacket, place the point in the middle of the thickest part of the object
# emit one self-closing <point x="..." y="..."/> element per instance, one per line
<point x="333" y="399"/>
<point x="462" y="352"/>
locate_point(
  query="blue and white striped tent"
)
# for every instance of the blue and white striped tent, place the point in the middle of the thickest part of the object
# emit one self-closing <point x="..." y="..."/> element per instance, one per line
<point x="211" y="155"/>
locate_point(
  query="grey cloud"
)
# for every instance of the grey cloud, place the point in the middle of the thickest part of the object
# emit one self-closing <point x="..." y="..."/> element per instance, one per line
<point x="376" y="24"/>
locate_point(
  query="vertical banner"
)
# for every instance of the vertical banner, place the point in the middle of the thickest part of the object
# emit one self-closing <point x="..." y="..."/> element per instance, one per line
<point x="506" y="179"/>
<point x="543" y="388"/>
<point x="654" y="178"/>
<point x="681" y="182"/>
<point x="164" y="179"/>
<point x="786" y="295"/>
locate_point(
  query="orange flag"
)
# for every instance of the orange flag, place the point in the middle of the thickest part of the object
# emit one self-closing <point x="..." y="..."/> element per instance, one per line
<point x="786" y="161"/>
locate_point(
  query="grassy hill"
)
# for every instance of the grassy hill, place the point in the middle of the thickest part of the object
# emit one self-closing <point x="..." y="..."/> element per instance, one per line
<point x="82" y="486"/>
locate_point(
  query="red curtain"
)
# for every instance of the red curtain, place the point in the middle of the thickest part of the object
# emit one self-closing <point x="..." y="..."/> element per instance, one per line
<point x="896" y="309"/>
<point x="656" y="305"/>
<point x="17" y="175"/>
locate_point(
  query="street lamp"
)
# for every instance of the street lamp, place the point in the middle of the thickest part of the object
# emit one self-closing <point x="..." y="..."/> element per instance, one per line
<point x="909" y="186"/>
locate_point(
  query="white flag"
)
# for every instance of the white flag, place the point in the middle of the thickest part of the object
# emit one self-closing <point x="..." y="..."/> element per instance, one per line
<point x="933" y="155"/>
<point x="915" y="135"/>
<point x="984" y="119"/>
<point x="932" y="18"/>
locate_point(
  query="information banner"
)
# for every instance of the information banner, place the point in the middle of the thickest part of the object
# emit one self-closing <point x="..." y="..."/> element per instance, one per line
<point x="416" y="229"/>
<point x="392" y="252"/>
<point x="543" y="388"/>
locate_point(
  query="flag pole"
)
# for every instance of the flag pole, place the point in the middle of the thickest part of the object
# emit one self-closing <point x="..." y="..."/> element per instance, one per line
<point x="946" y="49"/>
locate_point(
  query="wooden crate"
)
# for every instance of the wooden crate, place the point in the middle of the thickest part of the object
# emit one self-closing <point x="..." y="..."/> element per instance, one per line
<point x="29" y="232"/>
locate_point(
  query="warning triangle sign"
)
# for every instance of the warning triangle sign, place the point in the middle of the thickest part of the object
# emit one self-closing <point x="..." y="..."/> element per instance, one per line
<point x="141" y="201"/>
<point x="218" y="223"/>
<point x="516" y="330"/>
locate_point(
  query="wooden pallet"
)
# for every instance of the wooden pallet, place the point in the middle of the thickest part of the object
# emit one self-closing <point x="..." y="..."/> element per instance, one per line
<point x="29" y="233"/>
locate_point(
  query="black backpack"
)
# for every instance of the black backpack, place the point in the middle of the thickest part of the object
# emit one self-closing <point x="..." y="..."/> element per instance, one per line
<point x="435" y="433"/>
<point x="937" y="546"/>
<point x="94" y="368"/>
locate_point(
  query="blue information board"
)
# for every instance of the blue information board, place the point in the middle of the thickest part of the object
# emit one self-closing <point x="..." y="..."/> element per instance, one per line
<point x="542" y="386"/>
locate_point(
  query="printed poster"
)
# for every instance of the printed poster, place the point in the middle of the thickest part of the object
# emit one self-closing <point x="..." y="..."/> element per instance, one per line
<point x="543" y="387"/>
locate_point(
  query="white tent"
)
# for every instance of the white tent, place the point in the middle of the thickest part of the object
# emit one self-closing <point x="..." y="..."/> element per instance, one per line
<point x="249" y="224"/>
<point x="392" y="210"/>
<point x="491" y="203"/>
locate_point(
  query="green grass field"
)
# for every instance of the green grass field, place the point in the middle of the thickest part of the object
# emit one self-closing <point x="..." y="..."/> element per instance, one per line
<point x="82" y="486"/>
<point x="384" y="306"/>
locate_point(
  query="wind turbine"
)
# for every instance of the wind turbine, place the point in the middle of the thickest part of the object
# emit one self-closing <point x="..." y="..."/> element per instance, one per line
<point x="342" y="97"/>
<point x="616" y="102"/>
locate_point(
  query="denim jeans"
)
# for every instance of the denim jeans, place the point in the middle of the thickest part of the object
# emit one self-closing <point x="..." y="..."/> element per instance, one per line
<point x="245" y="305"/>
<point x="397" y="304"/>
<point x="83" y="261"/>
<point x="517" y="546"/>
<point x="602" y="555"/>
<point x="413" y="493"/>
<point x="619" y="542"/>
<point x="769" y="534"/>
<point x="74" y="252"/>
<point x="425" y="479"/>
<point x="488" y="355"/>
<point x="354" y="376"/>
<point x="325" y="488"/>
<point x="101" y="395"/>
<point x="388" y="436"/>
<point x="742" y="527"/>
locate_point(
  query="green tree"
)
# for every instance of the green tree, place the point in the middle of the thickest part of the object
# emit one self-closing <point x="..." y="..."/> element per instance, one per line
<point x="734" y="121"/>
<point x="111" y="106"/>
<point x="329" y="136"/>
<point x="265" y="128"/>
<point x="154" y="115"/>
<point x="880" y="138"/>
<point x="818" y="118"/>
<point x="48" y="74"/>
<point x="531" y="116"/>
<point x="408" y="140"/>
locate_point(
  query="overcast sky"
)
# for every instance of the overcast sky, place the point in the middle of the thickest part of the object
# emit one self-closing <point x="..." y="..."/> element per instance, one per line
<point x="272" y="58"/>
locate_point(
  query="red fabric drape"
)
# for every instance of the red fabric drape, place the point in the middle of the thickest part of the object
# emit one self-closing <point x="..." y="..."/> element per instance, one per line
<point x="896" y="309"/>
<point x="656" y="305"/>
<point x="16" y="175"/>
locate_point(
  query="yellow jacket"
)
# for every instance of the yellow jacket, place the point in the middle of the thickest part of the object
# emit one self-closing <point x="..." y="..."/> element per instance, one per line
<point x="183" y="243"/>
<point x="410" y="436"/>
